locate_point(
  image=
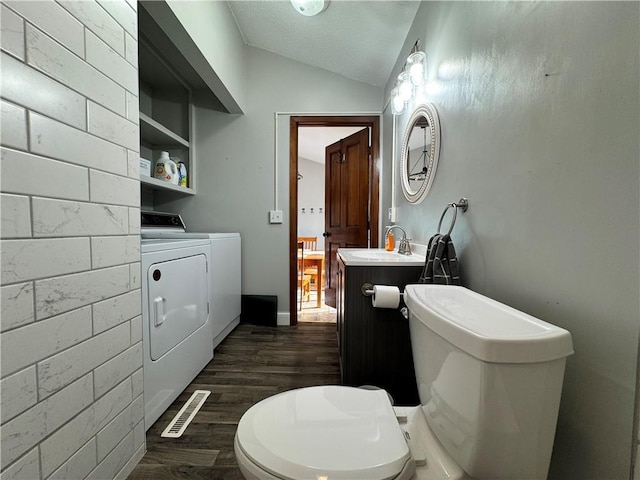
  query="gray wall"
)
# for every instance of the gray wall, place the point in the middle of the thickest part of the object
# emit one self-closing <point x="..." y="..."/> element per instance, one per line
<point x="539" y="107"/>
<point x="236" y="167"/>
<point x="71" y="338"/>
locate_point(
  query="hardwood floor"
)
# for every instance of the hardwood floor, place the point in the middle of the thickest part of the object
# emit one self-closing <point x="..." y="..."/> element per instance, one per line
<point x="252" y="363"/>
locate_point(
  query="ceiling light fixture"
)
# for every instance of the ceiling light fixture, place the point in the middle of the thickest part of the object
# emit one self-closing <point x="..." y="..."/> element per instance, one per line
<point x="309" y="8"/>
<point x="414" y="73"/>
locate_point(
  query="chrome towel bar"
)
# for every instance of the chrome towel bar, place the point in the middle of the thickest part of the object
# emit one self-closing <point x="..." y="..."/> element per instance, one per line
<point x="463" y="204"/>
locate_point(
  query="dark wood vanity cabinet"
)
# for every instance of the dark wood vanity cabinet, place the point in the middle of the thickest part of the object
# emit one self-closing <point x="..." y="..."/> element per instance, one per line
<point x="375" y="347"/>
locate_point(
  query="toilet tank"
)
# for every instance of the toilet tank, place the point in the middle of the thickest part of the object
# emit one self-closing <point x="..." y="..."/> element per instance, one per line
<point x="489" y="379"/>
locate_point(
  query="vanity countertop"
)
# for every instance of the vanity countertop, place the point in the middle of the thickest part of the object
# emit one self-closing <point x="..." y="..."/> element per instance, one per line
<point x="367" y="257"/>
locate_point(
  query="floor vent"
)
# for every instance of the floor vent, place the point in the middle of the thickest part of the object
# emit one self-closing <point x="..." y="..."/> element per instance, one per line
<point x="182" y="420"/>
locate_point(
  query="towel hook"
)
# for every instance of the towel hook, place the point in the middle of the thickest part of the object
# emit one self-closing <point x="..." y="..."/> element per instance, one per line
<point x="463" y="204"/>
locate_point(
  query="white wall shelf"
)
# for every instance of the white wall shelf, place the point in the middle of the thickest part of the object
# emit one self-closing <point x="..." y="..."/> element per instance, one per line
<point x="161" y="185"/>
<point x="155" y="133"/>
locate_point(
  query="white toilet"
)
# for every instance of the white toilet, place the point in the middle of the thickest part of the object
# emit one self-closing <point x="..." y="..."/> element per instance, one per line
<point x="489" y="379"/>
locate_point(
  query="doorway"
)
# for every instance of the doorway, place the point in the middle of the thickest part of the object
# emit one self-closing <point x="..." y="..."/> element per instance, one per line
<point x="370" y="202"/>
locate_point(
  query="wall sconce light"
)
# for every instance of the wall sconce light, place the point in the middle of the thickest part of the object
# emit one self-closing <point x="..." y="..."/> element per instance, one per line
<point x="309" y="8"/>
<point x="414" y="72"/>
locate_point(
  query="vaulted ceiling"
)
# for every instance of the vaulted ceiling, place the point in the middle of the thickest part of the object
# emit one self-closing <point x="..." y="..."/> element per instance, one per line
<point x="360" y="40"/>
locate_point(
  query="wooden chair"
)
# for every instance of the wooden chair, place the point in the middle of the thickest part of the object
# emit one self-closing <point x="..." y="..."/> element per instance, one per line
<point x="311" y="243"/>
<point x="304" y="281"/>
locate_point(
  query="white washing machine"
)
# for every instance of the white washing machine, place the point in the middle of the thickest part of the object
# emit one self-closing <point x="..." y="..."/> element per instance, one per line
<point x="176" y="335"/>
<point x="225" y="285"/>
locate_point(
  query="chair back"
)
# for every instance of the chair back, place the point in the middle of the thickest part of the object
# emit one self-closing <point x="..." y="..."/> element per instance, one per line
<point x="310" y="243"/>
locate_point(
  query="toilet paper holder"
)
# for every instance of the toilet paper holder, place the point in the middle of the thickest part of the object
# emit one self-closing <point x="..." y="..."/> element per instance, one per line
<point x="367" y="290"/>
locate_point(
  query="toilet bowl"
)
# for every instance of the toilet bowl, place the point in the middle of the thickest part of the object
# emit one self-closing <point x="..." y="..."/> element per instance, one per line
<point x="489" y="379"/>
<point x="331" y="432"/>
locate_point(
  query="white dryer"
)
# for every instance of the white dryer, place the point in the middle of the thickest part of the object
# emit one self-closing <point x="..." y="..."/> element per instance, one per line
<point x="225" y="283"/>
<point x="176" y="335"/>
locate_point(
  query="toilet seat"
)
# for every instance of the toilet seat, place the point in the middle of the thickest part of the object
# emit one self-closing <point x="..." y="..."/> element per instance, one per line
<point x="331" y="432"/>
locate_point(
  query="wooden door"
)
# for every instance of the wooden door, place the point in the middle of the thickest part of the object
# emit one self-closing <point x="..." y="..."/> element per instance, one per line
<point x="347" y="172"/>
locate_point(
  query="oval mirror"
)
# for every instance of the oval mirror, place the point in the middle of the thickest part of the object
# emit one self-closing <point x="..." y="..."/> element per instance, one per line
<point x="419" y="153"/>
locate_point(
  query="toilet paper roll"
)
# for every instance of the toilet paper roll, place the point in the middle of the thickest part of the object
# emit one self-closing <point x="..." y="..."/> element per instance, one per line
<point x="385" y="296"/>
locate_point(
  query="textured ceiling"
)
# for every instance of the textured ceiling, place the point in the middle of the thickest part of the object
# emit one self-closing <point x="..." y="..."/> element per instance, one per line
<point x="360" y="40"/>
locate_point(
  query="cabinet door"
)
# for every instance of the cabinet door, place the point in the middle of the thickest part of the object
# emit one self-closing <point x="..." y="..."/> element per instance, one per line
<point x="376" y="346"/>
<point x="340" y="314"/>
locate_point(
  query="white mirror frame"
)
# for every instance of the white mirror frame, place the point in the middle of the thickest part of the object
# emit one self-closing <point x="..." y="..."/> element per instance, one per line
<point x="431" y="114"/>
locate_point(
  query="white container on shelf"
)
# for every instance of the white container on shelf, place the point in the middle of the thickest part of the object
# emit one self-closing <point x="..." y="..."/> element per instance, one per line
<point x="166" y="169"/>
<point x="145" y="167"/>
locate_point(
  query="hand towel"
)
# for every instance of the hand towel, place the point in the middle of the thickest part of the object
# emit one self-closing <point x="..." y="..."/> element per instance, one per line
<point x="441" y="265"/>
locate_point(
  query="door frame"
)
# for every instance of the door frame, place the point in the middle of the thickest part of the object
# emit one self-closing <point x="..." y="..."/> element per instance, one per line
<point x="371" y="121"/>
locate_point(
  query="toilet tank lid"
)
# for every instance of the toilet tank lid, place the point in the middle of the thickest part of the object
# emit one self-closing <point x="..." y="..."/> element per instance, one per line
<point x="485" y="328"/>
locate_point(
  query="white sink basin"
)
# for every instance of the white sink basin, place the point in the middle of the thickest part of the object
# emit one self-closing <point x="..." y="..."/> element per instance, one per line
<point x="378" y="256"/>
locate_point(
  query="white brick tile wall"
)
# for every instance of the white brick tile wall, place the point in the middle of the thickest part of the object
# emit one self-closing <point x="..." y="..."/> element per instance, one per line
<point x="123" y="14"/>
<point x="133" y="165"/>
<point x="134" y="220"/>
<point x="137" y="410"/>
<point x="109" y="437"/>
<point x="28" y="467"/>
<point x="61" y="218"/>
<point x="98" y="21"/>
<point x="110" y="251"/>
<point x="79" y="465"/>
<point x="47" y="55"/>
<point x="114" y="189"/>
<point x="139" y="434"/>
<point x="136" y="329"/>
<point x="36" y="341"/>
<point x="16" y="216"/>
<point x="56" y="140"/>
<point x="20" y="393"/>
<point x="131" y="50"/>
<point x="12" y="32"/>
<point x="56" y="449"/>
<point x="59" y="370"/>
<point x="106" y="124"/>
<point x="61" y="294"/>
<point x="110" y="373"/>
<point x="56" y="256"/>
<point x="38" y="175"/>
<point x="134" y="275"/>
<point x="112" y="64"/>
<point x="54" y="20"/>
<point x="138" y="383"/>
<point x="114" y="462"/>
<point x="28" y="87"/>
<point x="116" y="310"/>
<point x="133" y="107"/>
<point x="17" y="305"/>
<point x="133" y="4"/>
<point x="13" y="125"/>
<point x="26" y="430"/>
<point x="70" y="199"/>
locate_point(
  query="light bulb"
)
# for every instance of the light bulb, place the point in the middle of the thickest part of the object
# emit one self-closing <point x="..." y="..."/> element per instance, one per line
<point x="405" y="87"/>
<point x="397" y="105"/>
<point x="417" y="67"/>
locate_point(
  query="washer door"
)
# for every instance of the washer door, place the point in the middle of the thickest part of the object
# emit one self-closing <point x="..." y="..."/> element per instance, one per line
<point x="178" y="301"/>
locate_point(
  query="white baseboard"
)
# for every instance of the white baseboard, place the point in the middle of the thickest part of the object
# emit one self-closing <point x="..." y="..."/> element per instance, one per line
<point x="284" y="318"/>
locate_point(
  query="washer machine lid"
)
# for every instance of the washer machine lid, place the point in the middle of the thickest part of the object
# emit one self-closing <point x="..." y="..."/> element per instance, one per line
<point x="329" y="432"/>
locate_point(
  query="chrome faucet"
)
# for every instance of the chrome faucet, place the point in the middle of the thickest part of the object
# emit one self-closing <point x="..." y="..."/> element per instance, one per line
<point x="404" y="248"/>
